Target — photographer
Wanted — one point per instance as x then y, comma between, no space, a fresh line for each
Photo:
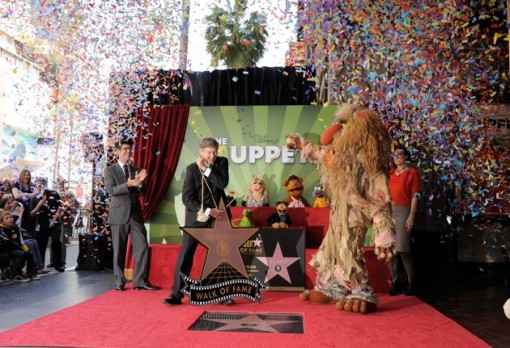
46,208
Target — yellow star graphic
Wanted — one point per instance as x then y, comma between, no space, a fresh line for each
222,242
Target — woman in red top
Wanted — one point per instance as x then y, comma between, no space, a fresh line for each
404,186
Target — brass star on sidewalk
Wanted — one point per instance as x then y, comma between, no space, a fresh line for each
252,321
222,242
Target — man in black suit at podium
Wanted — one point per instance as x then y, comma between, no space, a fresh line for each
203,187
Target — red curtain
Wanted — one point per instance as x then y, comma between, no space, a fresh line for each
159,139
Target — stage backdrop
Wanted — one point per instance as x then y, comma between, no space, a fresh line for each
253,139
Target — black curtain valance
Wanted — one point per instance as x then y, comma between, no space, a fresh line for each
254,86
249,86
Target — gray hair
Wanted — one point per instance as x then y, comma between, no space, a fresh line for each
208,142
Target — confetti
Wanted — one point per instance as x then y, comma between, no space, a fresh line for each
102,58
429,70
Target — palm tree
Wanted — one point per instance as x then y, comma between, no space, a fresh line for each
234,37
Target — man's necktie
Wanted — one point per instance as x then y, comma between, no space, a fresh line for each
126,171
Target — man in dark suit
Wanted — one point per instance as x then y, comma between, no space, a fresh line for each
206,178
124,184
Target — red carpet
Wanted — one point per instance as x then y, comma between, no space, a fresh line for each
139,319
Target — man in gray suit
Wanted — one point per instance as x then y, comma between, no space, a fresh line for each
124,183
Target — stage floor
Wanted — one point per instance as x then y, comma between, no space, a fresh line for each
470,294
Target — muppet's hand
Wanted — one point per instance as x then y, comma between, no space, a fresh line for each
217,214
295,141
384,236
385,253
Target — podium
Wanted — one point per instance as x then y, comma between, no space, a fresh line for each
314,221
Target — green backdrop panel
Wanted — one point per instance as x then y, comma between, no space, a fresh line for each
253,139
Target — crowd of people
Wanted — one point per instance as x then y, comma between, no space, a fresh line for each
31,214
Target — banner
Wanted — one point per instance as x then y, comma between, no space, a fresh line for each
253,138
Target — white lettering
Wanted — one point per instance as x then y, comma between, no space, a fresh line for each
234,157
287,156
272,153
256,152
250,154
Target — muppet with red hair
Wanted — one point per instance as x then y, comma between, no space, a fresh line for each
354,162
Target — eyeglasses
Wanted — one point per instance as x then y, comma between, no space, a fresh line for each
282,211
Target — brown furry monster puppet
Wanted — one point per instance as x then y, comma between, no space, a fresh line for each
294,187
354,164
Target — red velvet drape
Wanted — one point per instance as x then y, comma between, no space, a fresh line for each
159,140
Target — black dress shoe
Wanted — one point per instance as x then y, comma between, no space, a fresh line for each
145,287
60,269
172,300
228,302
120,287
395,289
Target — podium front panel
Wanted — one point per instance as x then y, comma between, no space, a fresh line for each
276,256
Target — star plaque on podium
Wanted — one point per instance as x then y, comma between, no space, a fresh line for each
223,274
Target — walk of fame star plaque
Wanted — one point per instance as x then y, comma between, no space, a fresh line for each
249,322
224,274
277,257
